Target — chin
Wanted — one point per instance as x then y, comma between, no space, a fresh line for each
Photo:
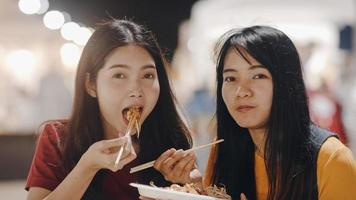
245,124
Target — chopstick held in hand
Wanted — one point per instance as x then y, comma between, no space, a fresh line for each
150,164
127,134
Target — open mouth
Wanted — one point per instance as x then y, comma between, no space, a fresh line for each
131,116
132,113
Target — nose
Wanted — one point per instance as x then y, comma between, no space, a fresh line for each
135,90
237,90
243,91
136,93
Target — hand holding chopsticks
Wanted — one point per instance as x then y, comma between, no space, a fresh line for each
133,120
150,164
127,134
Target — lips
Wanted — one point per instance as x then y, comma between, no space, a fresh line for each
245,108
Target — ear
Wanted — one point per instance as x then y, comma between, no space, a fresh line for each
89,86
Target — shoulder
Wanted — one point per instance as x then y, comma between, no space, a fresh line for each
52,131
47,169
49,149
333,148
50,128
335,158
334,151
336,171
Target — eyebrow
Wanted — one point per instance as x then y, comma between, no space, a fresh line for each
252,67
149,66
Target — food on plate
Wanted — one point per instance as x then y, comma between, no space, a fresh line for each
212,191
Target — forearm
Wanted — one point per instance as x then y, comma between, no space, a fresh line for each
74,185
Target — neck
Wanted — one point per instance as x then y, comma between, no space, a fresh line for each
259,139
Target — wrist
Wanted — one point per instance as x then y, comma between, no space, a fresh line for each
85,168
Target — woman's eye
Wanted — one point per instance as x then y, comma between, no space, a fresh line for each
149,76
229,79
260,76
119,76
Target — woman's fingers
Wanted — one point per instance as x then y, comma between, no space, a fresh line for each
162,158
123,161
184,166
111,144
187,170
126,158
129,157
114,167
186,178
103,154
170,162
177,167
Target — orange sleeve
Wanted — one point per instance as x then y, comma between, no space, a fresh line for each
336,171
209,172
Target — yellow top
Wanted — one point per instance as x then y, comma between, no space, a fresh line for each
336,173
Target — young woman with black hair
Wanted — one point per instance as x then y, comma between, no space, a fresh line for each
272,150
121,67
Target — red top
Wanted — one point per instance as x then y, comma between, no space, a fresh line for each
47,169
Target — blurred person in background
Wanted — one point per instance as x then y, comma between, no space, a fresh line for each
121,67
326,111
272,149
52,81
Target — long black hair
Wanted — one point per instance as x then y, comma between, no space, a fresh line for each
286,148
162,129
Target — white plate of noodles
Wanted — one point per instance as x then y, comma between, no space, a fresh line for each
168,194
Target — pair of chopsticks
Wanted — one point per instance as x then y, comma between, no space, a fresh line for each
133,120
150,164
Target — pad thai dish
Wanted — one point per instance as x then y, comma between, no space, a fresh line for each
212,191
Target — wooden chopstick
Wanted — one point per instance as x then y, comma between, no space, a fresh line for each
150,164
